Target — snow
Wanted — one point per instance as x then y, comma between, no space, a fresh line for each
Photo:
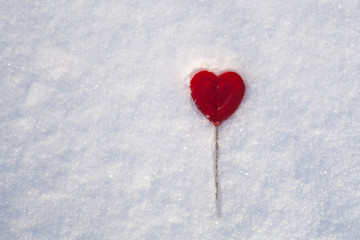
100,138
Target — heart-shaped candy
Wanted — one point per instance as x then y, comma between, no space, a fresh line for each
217,97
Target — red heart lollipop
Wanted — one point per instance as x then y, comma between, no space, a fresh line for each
217,97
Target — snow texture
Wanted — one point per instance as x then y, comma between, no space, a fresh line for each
100,138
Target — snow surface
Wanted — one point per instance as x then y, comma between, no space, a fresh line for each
100,138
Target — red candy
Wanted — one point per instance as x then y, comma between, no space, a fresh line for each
217,97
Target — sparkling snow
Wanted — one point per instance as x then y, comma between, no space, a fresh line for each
100,138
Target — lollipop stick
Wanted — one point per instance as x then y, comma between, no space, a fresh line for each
217,202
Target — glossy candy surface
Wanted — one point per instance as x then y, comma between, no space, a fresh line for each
217,97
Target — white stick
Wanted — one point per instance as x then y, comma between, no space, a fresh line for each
217,201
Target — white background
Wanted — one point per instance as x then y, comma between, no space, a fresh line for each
100,139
